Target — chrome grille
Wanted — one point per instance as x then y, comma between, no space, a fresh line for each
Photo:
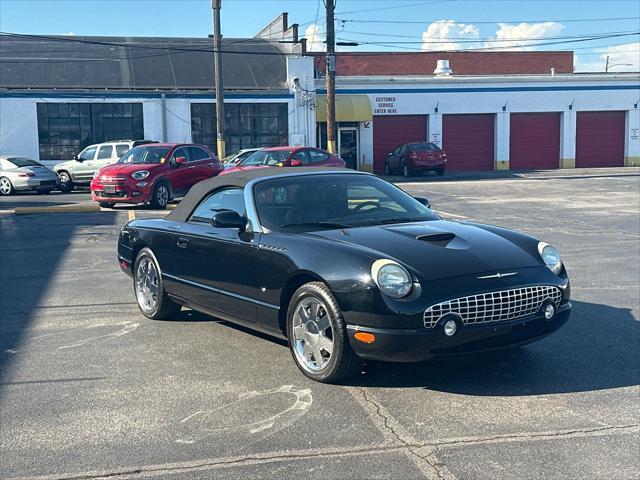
494,306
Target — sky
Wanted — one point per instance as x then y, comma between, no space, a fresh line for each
377,25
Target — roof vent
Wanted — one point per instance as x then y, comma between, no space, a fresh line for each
443,69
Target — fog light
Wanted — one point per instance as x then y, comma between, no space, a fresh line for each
142,184
137,194
450,328
549,311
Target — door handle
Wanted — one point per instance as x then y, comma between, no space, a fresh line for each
182,242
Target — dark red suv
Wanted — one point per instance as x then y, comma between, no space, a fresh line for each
154,174
412,158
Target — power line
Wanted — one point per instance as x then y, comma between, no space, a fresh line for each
492,22
395,7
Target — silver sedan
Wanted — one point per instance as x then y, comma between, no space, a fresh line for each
21,173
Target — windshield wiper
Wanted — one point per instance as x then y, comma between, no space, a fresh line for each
383,221
316,224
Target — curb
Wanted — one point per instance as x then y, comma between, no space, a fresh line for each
57,209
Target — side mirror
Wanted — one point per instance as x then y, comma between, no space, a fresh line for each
296,163
181,160
229,219
423,201
389,154
75,157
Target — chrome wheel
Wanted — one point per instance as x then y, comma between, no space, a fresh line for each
162,196
312,335
5,186
147,286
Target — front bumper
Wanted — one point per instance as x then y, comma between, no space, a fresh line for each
120,193
415,345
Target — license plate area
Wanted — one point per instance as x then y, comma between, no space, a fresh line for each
109,189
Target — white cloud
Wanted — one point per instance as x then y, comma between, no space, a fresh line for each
69,34
623,58
442,35
521,35
315,38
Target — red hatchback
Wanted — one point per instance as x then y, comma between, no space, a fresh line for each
154,174
412,158
289,157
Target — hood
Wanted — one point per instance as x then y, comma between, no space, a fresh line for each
439,249
127,168
64,165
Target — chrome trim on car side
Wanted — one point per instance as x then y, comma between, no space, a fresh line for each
220,291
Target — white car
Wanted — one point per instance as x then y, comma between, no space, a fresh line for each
232,160
21,173
80,170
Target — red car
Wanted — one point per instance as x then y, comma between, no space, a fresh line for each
289,157
154,174
414,158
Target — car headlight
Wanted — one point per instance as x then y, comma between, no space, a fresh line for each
140,174
550,257
391,278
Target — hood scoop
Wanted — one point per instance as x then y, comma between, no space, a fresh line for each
438,239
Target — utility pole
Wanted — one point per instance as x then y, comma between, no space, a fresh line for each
217,62
331,77
606,65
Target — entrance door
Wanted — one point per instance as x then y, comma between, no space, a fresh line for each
348,146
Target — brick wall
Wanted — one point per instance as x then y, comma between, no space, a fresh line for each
462,63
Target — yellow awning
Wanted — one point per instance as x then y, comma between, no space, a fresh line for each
349,108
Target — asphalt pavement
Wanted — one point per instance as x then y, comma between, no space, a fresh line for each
89,388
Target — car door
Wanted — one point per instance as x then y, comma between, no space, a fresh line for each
202,164
103,158
218,266
179,175
82,170
301,156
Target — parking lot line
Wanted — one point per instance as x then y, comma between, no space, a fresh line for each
58,209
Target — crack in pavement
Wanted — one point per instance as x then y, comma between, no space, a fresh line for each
424,450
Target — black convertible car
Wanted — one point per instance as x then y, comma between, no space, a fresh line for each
345,266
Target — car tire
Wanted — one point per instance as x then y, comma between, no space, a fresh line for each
329,332
152,300
406,172
106,204
66,184
6,187
161,196
387,168
439,171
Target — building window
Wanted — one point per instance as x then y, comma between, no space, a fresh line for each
64,129
248,125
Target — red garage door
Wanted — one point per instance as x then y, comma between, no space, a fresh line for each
468,141
600,139
389,131
534,140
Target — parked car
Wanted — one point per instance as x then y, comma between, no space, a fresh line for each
154,174
414,158
289,157
21,173
80,170
346,266
232,160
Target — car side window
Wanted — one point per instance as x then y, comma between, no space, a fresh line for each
105,152
302,155
317,156
197,153
403,150
181,152
121,149
220,201
87,153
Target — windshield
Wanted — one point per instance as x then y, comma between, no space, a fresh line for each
423,147
266,157
313,202
23,162
145,154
